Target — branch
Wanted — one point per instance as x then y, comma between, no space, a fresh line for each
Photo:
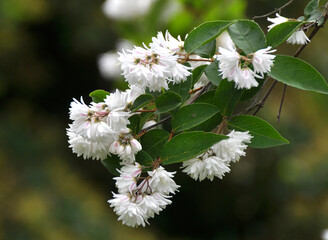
274,11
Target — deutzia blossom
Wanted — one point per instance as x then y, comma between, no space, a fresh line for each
245,78
162,181
298,37
127,181
229,62
89,135
129,209
94,149
206,166
234,67
154,203
262,60
233,148
125,147
156,66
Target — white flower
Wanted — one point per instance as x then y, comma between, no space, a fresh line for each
276,21
167,42
233,148
262,61
154,67
127,181
245,78
89,134
298,37
147,68
94,149
206,166
125,147
129,209
132,169
229,62
154,203
162,181
126,9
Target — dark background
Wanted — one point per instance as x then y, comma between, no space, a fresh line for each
48,55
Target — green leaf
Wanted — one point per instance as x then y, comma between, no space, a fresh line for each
188,145
316,16
142,101
134,123
167,102
143,158
247,35
209,124
264,135
112,163
192,115
153,141
197,73
311,7
203,34
98,95
207,97
207,50
212,73
182,88
282,32
298,73
226,97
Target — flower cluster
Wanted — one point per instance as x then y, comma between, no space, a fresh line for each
238,68
101,128
140,198
298,37
215,162
155,66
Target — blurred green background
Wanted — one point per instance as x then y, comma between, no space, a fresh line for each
48,55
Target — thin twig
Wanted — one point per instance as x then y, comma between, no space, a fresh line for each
282,102
274,11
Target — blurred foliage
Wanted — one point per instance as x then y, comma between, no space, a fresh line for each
48,55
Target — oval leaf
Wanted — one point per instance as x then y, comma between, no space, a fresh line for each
226,97
207,50
203,34
311,7
167,102
264,135
298,73
142,101
98,95
182,88
143,158
188,145
112,163
192,115
153,141
212,73
247,35
197,73
280,33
